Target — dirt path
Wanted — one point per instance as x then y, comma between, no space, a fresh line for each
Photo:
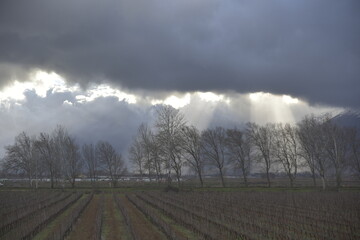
114,226
86,224
141,225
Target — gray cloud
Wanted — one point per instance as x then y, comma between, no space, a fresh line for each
107,118
104,119
309,49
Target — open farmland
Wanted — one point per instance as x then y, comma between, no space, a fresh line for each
184,215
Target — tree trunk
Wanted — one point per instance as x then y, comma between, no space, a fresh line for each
314,178
201,180
222,177
30,182
323,182
52,182
338,180
245,181
268,177
245,178
178,180
169,178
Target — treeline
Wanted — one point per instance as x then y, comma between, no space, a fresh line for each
170,146
315,144
60,158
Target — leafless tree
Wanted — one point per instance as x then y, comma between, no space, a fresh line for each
146,141
355,151
157,155
112,162
45,147
59,137
90,160
136,156
214,149
73,163
239,150
308,146
337,147
313,137
192,150
287,149
169,125
21,157
262,138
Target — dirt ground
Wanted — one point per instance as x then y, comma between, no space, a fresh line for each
86,224
114,226
141,225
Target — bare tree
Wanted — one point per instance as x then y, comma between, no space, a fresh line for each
73,163
157,159
111,160
262,138
313,138
287,149
91,161
355,151
337,147
136,156
21,157
59,137
214,148
169,124
145,152
45,147
192,150
146,141
308,147
239,150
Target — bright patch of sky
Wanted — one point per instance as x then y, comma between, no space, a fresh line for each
104,90
258,107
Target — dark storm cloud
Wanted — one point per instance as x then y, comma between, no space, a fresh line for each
309,49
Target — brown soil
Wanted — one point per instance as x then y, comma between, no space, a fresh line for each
114,226
86,224
141,225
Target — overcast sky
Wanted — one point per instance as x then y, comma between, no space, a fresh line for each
99,67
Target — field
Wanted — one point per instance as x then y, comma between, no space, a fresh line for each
192,214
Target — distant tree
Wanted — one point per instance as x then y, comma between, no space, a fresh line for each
21,157
45,148
146,140
313,135
192,150
169,125
355,151
157,156
239,150
90,160
73,163
111,161
59,137
308,145
338,147
214,149
286,149
136,156
262,138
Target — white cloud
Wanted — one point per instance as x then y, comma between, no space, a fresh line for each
103,112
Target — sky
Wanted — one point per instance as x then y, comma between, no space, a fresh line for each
99,68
